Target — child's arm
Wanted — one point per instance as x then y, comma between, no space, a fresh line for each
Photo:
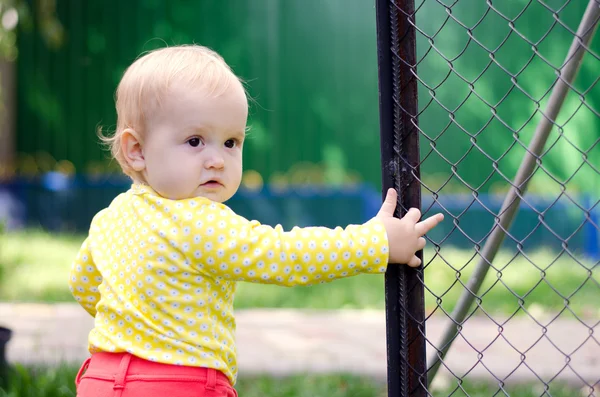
232,247
302,256
84,279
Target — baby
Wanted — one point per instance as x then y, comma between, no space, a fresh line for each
159,268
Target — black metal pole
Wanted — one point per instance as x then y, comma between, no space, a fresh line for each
5,335
404,289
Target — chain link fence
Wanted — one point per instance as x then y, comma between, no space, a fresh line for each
508,105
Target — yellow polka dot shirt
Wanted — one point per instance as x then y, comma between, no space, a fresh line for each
159,275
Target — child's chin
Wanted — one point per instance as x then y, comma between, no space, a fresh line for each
212,196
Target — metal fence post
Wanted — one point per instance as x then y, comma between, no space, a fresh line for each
404,291
5,335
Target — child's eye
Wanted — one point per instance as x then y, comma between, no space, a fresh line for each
230,143
194,142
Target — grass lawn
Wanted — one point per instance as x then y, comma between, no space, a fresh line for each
34,266
58,382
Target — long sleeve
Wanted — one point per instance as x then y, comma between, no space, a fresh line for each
84,279
224,244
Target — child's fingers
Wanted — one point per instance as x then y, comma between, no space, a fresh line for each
413,215
414,262
424,226
389,205
421,242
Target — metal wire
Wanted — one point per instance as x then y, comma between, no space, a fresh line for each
566,76
549,108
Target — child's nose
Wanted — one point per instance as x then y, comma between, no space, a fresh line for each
214,160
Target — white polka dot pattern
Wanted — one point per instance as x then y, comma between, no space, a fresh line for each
159,275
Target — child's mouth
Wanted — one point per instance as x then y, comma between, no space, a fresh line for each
211,184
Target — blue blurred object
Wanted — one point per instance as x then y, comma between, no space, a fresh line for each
58,202
56,181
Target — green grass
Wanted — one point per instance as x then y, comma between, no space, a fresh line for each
36,264
59,382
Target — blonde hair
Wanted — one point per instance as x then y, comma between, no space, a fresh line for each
146,81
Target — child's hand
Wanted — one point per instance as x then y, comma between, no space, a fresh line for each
405,236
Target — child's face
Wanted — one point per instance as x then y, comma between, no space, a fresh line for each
193,144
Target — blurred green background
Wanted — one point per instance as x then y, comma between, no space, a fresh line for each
485,75
311,66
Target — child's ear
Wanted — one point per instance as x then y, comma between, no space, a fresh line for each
131,147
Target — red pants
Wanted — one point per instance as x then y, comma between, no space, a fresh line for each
124,375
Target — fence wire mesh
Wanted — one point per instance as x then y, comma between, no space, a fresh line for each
508,123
